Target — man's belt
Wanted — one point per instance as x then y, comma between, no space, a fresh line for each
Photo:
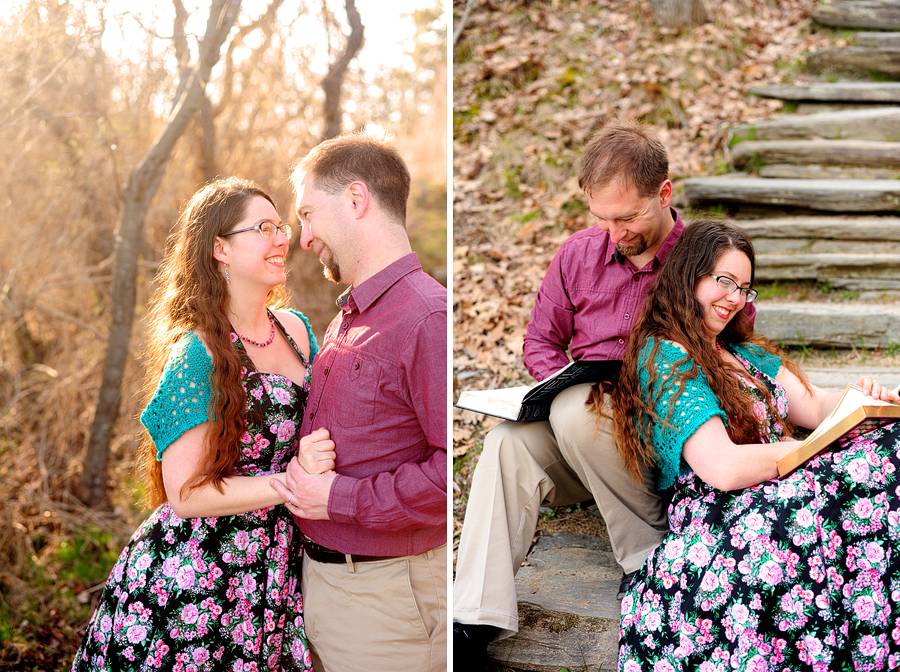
320,553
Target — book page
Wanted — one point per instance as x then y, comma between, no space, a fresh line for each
852,410
502,403
851,399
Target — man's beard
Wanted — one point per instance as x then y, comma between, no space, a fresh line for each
633,249
331,270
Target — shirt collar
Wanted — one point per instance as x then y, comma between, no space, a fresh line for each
369,291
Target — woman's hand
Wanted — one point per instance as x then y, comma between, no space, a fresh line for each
874,389
316,453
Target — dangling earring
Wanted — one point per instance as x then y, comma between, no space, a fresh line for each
227,277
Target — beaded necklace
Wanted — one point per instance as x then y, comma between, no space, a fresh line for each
261,345
718,346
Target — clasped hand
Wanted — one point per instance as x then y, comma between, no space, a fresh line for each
309,476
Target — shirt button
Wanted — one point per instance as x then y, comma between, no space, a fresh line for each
344,326
312,416
356,366
636,278
621,341
326,372
627,316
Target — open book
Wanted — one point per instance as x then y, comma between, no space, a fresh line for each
525,404
854,412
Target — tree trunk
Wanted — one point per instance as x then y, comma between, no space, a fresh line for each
139,191
209,163
331,83
679,13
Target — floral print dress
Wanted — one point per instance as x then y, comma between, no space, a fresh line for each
218,593
801,573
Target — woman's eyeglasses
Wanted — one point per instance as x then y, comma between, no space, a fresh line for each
266,230
728,285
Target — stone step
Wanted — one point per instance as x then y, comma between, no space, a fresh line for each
794,246
861,61
813,107
880,124
824,152
830,325
793,171
864,39
820,159
824,228
834,379
568,611
874,270
835,195
838,92
872,14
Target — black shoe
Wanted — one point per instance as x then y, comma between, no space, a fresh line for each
470,646
623,585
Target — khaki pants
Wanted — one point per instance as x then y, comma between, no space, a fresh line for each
378,616
526,465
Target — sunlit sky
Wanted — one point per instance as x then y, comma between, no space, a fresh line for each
386,26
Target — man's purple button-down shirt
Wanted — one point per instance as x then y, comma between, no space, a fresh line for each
588,302
379,385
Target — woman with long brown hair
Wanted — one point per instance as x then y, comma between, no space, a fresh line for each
210,581
756,572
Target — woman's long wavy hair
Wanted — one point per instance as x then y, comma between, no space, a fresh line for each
673,313
193,295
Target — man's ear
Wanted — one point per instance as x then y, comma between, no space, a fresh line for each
359,198
221,250
665,193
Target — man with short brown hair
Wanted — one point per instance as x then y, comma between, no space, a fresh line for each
375,527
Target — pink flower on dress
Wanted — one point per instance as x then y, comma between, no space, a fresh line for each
699,555
771,572
170,566
286,430
190,613
755,521
710,581
185,577
804,518
864,607
874,552
863,507
674,548
137,634
868,645
858,470
241,539
282,396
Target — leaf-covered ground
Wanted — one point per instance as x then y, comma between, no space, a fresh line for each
532,81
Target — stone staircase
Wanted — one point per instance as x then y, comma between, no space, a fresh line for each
820,196
819,189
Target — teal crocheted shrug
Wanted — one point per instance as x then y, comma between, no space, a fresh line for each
694,406
181,400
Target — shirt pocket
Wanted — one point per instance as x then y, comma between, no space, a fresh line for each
357,408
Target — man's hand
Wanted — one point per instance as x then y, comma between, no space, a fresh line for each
305,495
316,453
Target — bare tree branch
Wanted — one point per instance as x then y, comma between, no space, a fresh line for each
331,83
462,21
139,191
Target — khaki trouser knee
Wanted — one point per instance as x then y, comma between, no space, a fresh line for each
524,466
